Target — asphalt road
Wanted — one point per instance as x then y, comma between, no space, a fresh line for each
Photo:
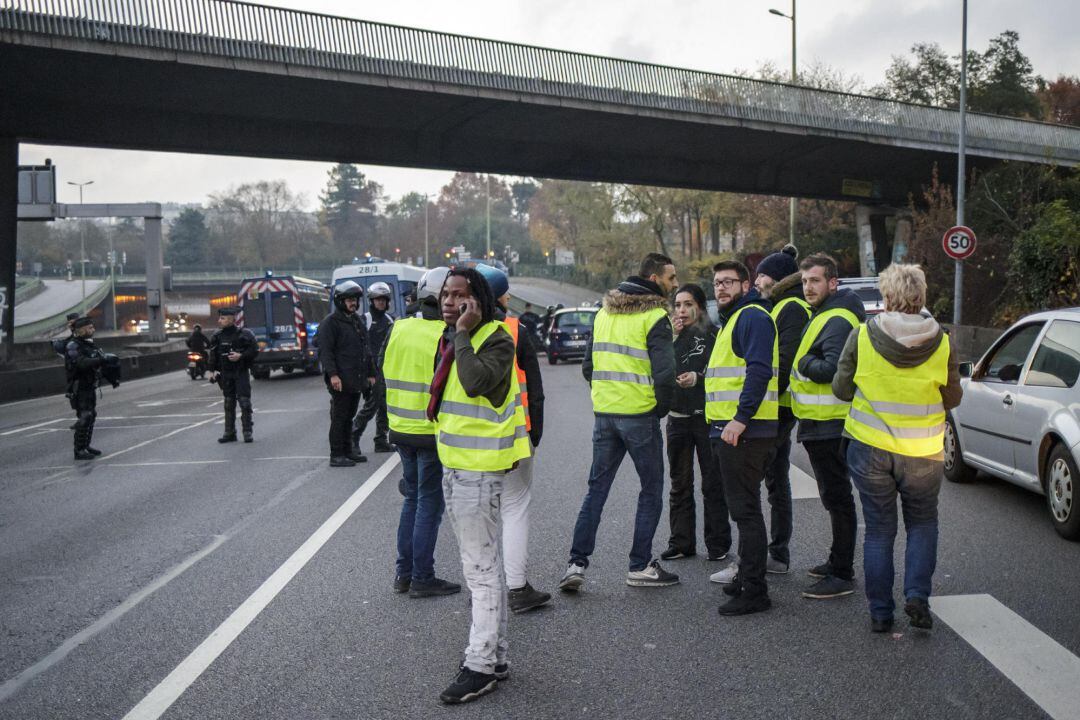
118,573
58,296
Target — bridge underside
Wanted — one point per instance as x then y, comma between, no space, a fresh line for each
168,103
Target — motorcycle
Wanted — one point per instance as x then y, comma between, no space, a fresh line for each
196,366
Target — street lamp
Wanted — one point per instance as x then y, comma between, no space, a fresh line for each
82,236
427,203
794,78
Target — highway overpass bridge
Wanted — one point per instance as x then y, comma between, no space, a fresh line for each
212,76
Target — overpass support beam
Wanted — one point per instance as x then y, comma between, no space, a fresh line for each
9,228
876,250
155,279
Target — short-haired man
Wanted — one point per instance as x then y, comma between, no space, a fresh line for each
742,406
230,353
779,280
630,366
821,415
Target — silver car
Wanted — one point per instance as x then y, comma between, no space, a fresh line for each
1020,416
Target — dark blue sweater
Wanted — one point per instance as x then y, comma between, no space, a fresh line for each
752,340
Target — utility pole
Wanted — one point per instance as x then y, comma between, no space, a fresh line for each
793,208
487,254
961,172
82,235
426,203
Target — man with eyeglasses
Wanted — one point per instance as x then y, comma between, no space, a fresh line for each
742,407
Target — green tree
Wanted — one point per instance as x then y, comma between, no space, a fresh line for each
188,239
1044,265
349,209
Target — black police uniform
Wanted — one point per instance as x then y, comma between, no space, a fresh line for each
344,351
234,378
378,327
84,361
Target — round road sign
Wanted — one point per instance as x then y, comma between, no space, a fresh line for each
959,242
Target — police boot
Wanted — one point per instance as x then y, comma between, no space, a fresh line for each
89,436
230,421
245,419
81,441
382,446
356,441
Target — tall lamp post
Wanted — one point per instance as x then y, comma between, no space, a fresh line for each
793,209
427,203
82,236
958,280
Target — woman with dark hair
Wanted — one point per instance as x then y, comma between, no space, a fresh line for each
688,433
480,436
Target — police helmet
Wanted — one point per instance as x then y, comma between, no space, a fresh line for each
345,290
431,283
379,289
496,279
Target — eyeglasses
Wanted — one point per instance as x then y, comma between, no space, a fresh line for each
726,283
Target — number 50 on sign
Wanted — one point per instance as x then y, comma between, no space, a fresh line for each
959,242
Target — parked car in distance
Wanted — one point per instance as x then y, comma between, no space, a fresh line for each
569,333
1020,416
867,289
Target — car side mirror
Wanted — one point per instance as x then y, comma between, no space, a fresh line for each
967,369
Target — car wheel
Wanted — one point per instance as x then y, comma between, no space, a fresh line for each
1061,492
288,370
552,360
956,470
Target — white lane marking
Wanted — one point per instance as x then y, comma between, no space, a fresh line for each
30,427
46,431
295,457
175,401
13,685
170,462
137,426
803,485
173,686
153,417
1044,670
216,402
101,461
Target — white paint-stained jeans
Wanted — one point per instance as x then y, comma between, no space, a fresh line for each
472,502
516,495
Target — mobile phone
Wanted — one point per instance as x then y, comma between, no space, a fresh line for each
463,309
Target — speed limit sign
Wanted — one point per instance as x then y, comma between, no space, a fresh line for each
959,242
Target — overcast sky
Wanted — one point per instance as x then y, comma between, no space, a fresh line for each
856,36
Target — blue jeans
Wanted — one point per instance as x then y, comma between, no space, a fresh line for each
421,512
614,437
879,477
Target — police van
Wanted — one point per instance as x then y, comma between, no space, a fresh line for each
401,278
283,313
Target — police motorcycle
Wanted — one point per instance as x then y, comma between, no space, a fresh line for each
196,365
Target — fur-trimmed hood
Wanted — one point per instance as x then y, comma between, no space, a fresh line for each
791,286
634,295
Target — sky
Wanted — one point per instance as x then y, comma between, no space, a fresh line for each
858,37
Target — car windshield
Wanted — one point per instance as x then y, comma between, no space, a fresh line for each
571,320
867,293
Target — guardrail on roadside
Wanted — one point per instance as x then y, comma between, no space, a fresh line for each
54,323
28,289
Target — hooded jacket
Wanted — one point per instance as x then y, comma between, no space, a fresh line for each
820,362
752,340
636,295
790,324
344,351
904,340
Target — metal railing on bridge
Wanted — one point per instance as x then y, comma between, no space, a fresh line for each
245,31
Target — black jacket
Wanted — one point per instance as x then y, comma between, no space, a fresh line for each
752,340
636,295
529,362
344,351
821,360
197,341
378,326
83,362
226,340
693,346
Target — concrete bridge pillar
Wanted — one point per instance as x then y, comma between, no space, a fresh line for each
9,227
155,280
876,249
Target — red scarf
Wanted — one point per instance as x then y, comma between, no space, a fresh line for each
442,374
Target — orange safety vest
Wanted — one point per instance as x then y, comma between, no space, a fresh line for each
513,325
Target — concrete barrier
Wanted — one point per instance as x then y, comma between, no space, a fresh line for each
971,341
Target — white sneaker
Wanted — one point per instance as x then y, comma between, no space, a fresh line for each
727,575
573,579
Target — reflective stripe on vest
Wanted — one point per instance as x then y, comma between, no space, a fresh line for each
811,400
514,326
785,397
899,409
472,433
622,382
726,373
408,368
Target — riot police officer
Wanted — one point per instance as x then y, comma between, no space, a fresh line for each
347,369
85,363
377,322
231,351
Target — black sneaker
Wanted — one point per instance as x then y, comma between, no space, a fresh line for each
502,671
402,583
357,457
676,554
652,576
84,455
342,461
734,588
227,437
717,556
881,625
525,598
918,612
745,605
829,587
93,451
820,571
381,446
468,686
247,436
432,588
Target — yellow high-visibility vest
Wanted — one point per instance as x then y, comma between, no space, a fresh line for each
408,367
472,433
811,400
785,397
899,409
622,382
726,373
